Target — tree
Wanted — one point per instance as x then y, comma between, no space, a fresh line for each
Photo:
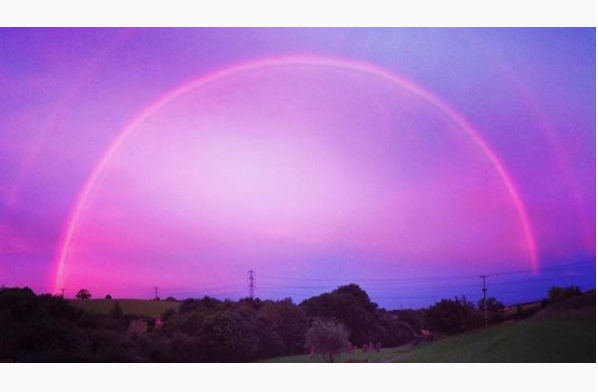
206,303
270,342
495,309
452,316
108,296
291,322
556,294
351,306
83,294
327,338
572,291
228,336
391,332
415,318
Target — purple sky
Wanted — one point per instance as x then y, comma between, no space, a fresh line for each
410,161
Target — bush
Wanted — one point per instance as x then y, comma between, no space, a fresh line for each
137,328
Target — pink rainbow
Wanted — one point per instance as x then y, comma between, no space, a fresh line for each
63,246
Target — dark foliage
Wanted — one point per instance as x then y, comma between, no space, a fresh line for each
414,318
83,294
270,343
116,312
452,316
45,328
291,322
557,294
228,336
351,306
495,309
327,338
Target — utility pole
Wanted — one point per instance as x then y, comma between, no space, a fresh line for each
251,283
156,293
484,290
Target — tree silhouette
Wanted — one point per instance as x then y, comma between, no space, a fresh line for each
83,294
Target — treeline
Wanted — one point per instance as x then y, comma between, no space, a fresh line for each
45,328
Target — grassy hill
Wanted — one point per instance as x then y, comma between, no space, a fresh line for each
546,340
140,307
541,340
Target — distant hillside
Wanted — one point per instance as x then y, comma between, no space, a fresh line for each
579,307
140,307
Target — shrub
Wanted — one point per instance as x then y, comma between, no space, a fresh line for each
137,328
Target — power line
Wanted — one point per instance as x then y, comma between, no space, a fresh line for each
503,283
507,284
374,286
361,280
429,277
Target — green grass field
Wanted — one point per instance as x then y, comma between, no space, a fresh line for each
541,340
140,307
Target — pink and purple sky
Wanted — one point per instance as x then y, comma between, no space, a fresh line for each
409,161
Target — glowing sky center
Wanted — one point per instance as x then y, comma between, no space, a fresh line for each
286,164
